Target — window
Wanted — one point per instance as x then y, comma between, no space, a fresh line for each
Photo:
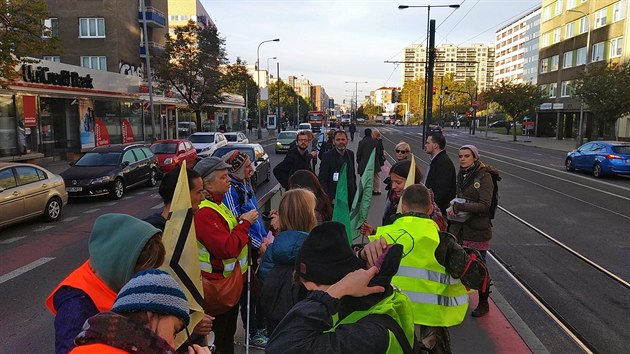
7,179
545,39
567,89
55,58
556,36
92,28
558,8
615,47
554,62
546,13
27,175
553,87
129,157
598,52
544,65
567,60
51,27
571,4
600,17
583,25
569,29
619,10
580,57
98,63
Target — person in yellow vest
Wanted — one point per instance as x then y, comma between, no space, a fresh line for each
223,242
435,272
349,309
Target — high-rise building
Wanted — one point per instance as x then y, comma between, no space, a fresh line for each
512,48
182,11
575,34
319,98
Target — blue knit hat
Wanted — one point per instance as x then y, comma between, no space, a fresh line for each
153,290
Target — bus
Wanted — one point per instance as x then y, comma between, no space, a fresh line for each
317,120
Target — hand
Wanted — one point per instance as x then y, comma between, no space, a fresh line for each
204,326
250,216
197,349
367,229
451,211
275,220
355,284
314,154
373,250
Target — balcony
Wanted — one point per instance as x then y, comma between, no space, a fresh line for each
153,47
155,18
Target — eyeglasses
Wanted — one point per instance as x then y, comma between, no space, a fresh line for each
402,151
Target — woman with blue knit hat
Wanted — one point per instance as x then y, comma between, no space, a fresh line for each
147,314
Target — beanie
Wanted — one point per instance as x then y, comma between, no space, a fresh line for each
472,148
115,244
238,160
325,256
153,290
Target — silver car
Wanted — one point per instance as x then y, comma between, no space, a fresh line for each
28,191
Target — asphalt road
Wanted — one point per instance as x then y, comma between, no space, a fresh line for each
591,216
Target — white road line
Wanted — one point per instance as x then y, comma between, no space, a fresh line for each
110,204
24,269
127,197
70,218
141,192
158,206
44,228
11,240
91,211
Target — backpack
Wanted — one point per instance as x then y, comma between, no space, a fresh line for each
495,193
279,293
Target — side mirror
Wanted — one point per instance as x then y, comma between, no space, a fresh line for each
72,163
1,189
181,151
125,163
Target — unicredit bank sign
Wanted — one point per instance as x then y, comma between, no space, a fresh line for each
43,75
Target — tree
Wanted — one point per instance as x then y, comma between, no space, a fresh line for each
605,88
190,65
237,80
288,102
516,99
23,33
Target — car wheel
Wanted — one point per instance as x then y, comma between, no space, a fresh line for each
53,209
152,181
117,190
597,170
569,164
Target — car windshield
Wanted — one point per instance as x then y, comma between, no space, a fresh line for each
99,159
164,148
621,149
304,126
231,137
201,138
224,150
287,135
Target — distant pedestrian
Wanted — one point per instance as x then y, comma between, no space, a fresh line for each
329,144
364,151
353,129
250,126
380,160
332,162
458,124
440,176
403,151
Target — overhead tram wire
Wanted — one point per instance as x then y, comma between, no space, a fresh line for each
462,19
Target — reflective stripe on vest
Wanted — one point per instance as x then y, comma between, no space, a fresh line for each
230,263
438,299
397,306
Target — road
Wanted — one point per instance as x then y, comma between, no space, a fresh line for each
588,215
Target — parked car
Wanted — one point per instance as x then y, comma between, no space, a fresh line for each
111,170
601,158
28,191
171,153
360,120
258,157
284,140
305,126
205,143
186,128
499,124
236,137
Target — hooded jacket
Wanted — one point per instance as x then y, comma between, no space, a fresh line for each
241,198
115,244
283,250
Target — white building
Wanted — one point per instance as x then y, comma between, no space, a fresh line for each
512,49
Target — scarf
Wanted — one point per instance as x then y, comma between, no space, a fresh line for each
123,333
466,176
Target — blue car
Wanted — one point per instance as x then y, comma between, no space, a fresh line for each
601,157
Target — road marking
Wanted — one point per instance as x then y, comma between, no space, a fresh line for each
24,269
44,228
11,240
155,195
141,192
110,204
91,211
127,197
70,218
158,206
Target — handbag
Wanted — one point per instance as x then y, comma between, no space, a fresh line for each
220,295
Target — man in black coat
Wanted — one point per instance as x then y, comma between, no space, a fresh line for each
353,129
366,145
330,168
298,158
440,177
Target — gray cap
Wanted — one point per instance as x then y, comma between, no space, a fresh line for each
209,164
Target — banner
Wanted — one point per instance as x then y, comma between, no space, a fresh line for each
363,198
30,111
86,124
411,177
127,132
102,135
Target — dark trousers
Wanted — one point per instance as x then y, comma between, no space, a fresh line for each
224,328
351,136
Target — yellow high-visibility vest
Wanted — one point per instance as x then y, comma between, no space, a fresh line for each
230,263
438,299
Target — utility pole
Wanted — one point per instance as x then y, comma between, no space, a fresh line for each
278,116
148,62
429,103
441,99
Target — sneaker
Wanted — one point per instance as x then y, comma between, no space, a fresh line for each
258,340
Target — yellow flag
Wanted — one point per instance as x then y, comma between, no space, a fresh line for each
181,261
411,178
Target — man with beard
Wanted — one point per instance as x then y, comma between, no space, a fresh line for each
298,158
330,169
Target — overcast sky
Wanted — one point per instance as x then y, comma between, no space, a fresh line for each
331,42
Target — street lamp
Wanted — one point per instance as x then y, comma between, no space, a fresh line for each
578,140
428,72
272,58
356,96
258,69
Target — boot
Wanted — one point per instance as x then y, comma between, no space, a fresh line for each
483,307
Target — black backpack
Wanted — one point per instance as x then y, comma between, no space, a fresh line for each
279,293
495,194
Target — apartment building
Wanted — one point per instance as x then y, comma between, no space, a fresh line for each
301,86
475,61
574,34
182,11
319,98
514,48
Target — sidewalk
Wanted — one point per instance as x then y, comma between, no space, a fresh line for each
552,143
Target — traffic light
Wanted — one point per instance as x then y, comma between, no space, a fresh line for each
446,91
434,89
468,115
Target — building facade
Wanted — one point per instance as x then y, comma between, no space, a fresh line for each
513,44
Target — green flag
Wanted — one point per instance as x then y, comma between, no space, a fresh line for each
341,212
363,197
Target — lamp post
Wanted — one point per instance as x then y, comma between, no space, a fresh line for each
258,74
272,58
356,96
578,140
428,78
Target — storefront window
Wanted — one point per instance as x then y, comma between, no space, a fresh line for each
53,124
8,132
132,116
108,112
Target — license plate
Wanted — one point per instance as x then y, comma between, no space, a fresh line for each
74,189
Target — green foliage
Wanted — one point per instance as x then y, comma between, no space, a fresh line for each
190,65
515,99
237,80
288,101
21,29
369,110
606,89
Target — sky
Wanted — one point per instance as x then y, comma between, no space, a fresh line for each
330,42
